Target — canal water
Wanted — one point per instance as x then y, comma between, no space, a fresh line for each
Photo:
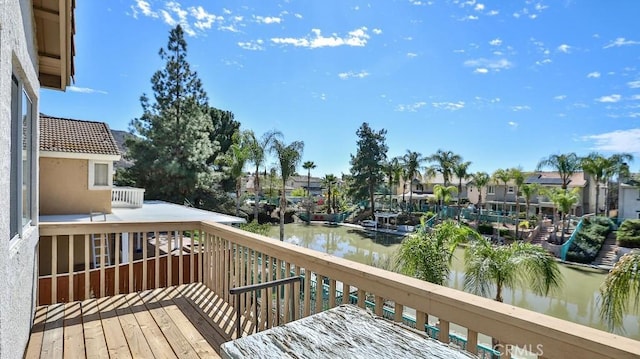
575,301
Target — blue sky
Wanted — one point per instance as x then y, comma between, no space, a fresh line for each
502,83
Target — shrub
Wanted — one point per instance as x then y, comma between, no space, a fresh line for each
255,227
485,228
589,239
524,224
504,232
629,233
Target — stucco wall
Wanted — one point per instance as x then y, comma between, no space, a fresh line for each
18,266
64,188
628,202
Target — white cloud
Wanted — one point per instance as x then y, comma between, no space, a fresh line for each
351,74
635,97
479,7
481,70
496,64
226,11
377,31
493,12
564,48
267,19
204,19
634,84
560,97
616,141
621,41
411,107
495,42
512,124
252,45
609,99
357,37
145,8
543,62
411,54
85,90
471,17
451,106
520,108
593,75
299,16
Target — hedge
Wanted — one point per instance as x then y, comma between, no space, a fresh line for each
629,233
589,239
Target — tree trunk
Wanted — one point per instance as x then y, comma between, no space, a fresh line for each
597,196
371,199
308,197
256,188
283,208
238,197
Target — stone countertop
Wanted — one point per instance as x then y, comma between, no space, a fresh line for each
345,331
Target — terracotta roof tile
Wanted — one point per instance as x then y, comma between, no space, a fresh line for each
76,136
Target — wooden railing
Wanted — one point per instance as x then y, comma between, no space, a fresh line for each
127,197
228,257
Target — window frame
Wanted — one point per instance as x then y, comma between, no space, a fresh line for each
510,189
92,174
491,189
23,160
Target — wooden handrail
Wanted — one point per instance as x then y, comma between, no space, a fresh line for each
255,288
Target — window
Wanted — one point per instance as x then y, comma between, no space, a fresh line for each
22,159
491,190
100,174
510,189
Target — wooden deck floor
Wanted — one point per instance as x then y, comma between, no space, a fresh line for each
187,321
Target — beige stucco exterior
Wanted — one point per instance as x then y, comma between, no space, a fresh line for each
64,188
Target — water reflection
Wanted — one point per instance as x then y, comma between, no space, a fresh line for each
576,300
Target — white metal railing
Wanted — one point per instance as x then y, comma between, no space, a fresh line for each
127,197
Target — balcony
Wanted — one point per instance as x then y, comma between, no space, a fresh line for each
127,197
185,270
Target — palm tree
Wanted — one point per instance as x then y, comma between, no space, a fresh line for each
445,160
393,170
518,178
480,180
528,191
411,161
565,164
235,160
602,169
427,254
516,265
460,170
622,284
620,168
289,157
405,177
564,200
502,175
328,181
308,165
443,194
258,151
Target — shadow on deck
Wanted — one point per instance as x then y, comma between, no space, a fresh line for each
187,321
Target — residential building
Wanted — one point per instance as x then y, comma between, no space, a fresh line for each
37,51
629,200
423,189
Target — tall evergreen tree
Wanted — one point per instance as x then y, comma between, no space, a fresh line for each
367,164
171,145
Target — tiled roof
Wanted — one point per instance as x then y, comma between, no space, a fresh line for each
76,136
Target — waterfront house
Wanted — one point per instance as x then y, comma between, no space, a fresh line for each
629,200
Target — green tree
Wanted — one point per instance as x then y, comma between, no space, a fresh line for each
393,170
519,264
621,287
528,191
328,181
258,148
366,165
443,194
565,164
601,169
460,170
564,200
411,162
427,254
308,165
224,126
170,143
444,162
289,157
518,177
480,180
235,160
504,176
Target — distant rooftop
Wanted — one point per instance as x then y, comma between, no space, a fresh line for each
156,211
76,136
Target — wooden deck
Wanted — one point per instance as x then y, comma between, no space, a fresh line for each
187,321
